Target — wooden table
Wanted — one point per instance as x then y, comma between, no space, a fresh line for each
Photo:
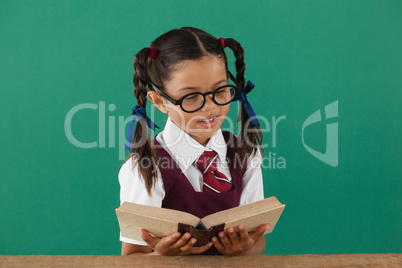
309,260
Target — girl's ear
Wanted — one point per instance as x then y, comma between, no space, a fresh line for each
157,100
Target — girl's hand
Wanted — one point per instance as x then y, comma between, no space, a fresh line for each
238,243
174,244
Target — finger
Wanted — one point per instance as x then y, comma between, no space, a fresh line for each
243,233
233,235
149,239
184,239
218,245
199,250
189,245
259,232
224,240
171,239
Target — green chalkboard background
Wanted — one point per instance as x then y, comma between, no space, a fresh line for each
57,56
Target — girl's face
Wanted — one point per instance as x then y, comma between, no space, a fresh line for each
202,75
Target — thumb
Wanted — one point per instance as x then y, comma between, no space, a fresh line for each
149,239
259,232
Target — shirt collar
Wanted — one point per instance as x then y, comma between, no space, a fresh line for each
186,150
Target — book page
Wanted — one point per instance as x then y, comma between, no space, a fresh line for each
251,215
159,222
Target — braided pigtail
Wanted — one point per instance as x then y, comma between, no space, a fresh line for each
142,152
156,64
250,136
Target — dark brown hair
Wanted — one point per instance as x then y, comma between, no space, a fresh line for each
174,47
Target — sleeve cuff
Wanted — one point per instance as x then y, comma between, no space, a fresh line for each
132,241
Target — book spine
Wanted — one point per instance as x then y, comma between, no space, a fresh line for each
202,236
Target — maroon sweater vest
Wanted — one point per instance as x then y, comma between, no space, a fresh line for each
180,194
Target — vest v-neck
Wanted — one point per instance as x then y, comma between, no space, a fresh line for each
161,152
180,194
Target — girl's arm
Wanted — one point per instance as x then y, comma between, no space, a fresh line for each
132,189
259,247
131,249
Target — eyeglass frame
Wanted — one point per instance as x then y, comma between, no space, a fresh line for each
179,101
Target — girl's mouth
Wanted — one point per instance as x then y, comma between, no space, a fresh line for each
209,123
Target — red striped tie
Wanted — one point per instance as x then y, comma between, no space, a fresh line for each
214,181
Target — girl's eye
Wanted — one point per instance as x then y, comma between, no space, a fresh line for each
190,98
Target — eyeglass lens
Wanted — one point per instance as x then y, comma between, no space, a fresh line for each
195,101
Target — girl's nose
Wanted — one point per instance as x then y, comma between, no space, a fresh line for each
209,103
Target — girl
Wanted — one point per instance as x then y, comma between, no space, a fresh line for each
192,165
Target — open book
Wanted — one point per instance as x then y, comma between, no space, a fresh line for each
162,222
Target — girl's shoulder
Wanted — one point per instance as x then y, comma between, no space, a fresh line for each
132,184
133,188
129,171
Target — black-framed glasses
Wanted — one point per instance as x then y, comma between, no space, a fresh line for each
194,101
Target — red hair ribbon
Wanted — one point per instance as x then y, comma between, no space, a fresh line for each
222,40
153,52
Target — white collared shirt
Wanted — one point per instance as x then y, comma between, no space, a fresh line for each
185,151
